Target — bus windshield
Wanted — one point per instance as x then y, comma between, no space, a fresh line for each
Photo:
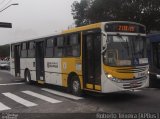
125,50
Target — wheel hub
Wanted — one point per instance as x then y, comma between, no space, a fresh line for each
75,86
27,78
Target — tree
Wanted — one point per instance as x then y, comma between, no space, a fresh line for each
146,12
79,12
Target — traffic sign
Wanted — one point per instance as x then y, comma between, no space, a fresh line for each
5,25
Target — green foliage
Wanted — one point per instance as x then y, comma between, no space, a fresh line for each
4,51
146,12
80,10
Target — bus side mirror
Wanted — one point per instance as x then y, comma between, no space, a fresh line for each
104,49
104,37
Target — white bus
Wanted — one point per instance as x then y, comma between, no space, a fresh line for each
103,57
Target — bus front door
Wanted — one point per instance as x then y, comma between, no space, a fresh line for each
40,61
17,60
92,61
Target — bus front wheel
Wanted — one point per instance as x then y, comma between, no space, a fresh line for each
76,86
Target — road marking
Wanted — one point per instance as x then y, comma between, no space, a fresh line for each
3,107
42,97
19,100
10,84
62,94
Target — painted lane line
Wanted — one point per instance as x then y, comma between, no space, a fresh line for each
42,97
19,100
62,94
3,107
10,84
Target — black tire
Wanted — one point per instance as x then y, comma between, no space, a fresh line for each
28,77
152,81
76,86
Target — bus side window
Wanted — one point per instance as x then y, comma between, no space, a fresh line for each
49,47
71,47
31,49
67,49
58,49
75,44
60,41
24,50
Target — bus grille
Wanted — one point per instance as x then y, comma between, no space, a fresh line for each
134,84
131,70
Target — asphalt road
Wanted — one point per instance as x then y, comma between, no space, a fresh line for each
22,101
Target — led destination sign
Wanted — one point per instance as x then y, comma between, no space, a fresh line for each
124,27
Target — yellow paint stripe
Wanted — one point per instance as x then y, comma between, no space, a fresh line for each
90,86
92,26
40,82
113,71
98,87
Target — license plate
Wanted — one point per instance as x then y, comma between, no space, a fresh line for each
141,74
133,84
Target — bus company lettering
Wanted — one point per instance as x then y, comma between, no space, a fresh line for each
52,64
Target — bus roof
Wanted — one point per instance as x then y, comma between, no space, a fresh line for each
77,29
82,28
96,25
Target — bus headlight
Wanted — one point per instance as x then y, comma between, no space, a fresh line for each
110,77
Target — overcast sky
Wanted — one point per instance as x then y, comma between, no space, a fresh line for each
34,18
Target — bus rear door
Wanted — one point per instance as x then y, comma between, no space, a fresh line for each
17,60
40,61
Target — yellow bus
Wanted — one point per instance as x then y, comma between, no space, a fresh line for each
102,57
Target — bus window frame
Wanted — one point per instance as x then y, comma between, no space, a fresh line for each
33,49
24,50
65,45
49,47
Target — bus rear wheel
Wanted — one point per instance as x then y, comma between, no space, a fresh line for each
76,86
28,77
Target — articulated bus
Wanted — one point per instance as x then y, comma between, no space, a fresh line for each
154,59
102,57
